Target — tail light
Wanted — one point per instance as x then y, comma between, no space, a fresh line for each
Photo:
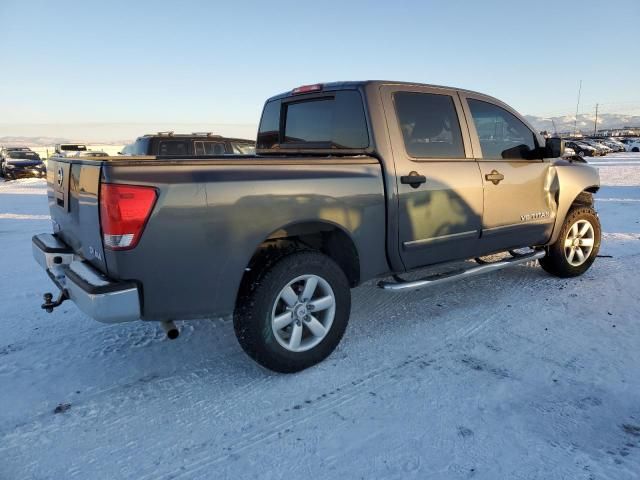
124,211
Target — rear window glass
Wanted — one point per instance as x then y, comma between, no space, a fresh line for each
172,148
333,121
429,125
310,121
73,148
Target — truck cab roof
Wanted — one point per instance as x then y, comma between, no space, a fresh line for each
357,84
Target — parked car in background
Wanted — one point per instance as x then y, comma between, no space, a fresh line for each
614,144
633,145
68,149
189,145
582,149
21,162
601,148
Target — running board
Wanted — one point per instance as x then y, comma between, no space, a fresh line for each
459,275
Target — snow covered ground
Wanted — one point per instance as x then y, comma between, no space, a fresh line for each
514,375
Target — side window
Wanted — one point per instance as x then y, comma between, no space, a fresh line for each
208,148
214,148
243,148
502,135
429,125
172,147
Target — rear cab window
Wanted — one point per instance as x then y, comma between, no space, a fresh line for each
333,120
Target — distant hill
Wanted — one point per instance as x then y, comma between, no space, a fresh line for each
49,141
562,124
585,122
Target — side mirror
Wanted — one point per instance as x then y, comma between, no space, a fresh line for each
554,148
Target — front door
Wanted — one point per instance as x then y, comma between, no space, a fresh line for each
519,200
437,179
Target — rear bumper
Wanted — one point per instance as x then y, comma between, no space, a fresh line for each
94,293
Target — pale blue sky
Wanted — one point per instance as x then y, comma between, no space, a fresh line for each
205,62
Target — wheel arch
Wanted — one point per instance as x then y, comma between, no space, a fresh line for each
568,200
324,236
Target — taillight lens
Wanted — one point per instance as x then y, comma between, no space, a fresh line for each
124,211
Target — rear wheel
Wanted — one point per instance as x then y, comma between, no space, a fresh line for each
577,246
294,313
635,149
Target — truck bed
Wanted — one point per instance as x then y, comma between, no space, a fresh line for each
211,215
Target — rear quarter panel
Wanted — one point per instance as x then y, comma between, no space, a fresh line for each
211,217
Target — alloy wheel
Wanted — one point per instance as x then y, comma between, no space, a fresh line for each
579,242
303,313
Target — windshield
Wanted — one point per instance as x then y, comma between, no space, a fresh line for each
23,155
139,147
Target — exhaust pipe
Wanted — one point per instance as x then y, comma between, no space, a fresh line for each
170,329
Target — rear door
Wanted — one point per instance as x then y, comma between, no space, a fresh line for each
519,203
438,181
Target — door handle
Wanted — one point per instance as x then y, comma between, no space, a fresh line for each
495,177
413,179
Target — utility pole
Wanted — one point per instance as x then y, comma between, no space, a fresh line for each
555,130
575,123
595,123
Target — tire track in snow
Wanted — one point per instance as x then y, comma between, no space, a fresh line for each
272,427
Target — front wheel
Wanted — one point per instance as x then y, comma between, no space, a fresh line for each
293,314
577,246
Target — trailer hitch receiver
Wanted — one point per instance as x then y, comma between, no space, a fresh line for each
49,305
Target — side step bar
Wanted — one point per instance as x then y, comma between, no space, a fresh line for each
459,275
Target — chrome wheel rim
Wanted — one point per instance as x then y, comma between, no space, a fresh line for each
303,313
579,243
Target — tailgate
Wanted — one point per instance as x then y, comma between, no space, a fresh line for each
72,190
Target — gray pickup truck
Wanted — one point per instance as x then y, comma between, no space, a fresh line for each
351,181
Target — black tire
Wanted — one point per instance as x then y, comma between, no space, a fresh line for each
635,149
556,261
253,313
